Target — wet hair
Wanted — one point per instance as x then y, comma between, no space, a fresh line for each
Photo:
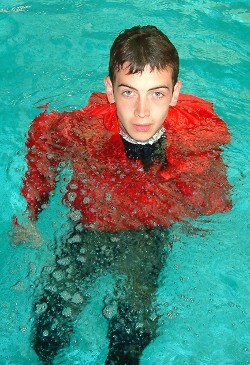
141,46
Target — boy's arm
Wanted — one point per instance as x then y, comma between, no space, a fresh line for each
42,158
196,169
204,185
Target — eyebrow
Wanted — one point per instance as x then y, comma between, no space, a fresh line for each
153,88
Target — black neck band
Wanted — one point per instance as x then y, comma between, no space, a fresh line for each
147,153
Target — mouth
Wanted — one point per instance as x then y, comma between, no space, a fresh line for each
142,127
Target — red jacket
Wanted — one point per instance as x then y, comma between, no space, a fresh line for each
113,192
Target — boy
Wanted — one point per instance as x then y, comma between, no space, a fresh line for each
142,156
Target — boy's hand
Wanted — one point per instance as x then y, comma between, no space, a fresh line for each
25,233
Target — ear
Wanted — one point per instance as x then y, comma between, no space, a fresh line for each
109,89
176,92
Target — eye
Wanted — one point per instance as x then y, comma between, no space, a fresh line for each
158,94
127,93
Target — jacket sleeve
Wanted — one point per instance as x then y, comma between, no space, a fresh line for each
43,157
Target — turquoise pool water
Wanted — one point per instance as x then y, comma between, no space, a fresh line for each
57,52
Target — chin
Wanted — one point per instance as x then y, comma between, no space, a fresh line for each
142,137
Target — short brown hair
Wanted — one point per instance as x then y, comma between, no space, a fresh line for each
141,46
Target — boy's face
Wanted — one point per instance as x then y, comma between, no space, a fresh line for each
142,100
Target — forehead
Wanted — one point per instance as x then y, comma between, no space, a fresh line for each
148,77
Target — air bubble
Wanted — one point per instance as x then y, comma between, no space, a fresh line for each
86,200
23,329
41,308
114,239
74,215
65,295
65,261
67,312
45,333
138,325
58,275
109,311
71,196
75,239
77,298
81,259
73,186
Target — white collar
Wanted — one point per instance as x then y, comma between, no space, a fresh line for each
150,141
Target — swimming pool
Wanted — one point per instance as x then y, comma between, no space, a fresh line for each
58,53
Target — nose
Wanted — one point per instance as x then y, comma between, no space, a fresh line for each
142,108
